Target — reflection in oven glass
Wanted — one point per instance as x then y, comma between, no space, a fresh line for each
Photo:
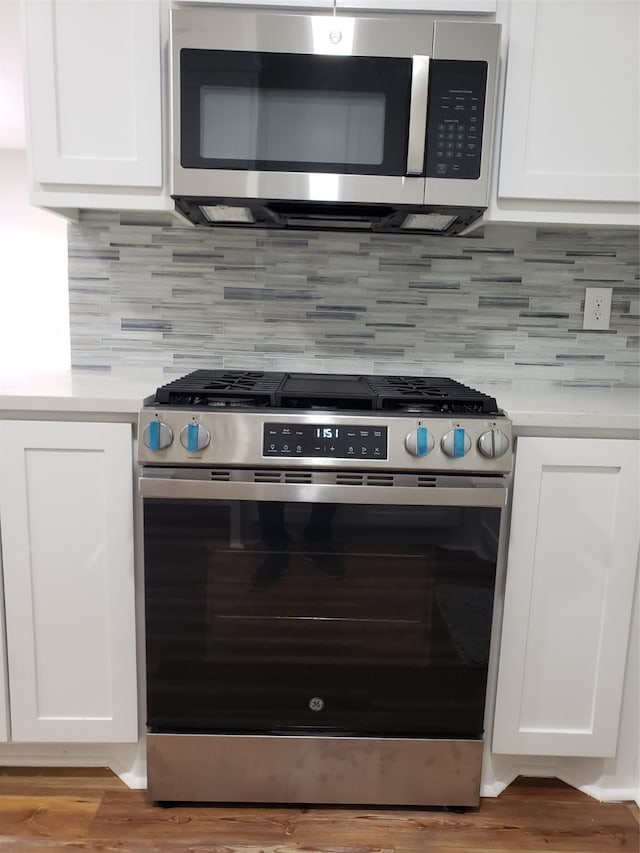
338,618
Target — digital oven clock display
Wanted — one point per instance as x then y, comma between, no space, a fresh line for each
287,441
328,432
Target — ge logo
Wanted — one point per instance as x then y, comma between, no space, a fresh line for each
335,36
316,704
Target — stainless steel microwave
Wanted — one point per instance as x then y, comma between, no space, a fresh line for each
332,122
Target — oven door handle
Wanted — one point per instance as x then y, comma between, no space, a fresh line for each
480,494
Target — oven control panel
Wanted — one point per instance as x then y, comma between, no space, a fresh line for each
326,440
331,441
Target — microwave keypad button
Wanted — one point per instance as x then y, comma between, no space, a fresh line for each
455,111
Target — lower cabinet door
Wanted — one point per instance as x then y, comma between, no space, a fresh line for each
572,561
66,514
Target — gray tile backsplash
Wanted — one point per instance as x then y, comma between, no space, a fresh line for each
504,305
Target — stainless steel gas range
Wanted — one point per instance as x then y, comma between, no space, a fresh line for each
320,563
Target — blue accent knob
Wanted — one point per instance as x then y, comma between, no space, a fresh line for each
192,438
421,441
458,442
154,435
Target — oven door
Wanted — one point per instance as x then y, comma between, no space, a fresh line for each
335,602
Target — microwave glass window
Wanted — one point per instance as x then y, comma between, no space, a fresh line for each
299,113
292,125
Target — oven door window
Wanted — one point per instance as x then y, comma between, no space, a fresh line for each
349,619
294,113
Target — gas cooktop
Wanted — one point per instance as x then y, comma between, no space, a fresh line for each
235,389
254,419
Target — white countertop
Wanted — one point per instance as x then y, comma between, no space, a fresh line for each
537,407
79,391
534,407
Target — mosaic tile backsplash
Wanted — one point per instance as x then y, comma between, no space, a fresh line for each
145,292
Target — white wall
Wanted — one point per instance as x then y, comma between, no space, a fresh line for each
34,302
12,129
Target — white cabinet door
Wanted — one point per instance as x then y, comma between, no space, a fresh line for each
572,560
572,99
443,6
93,86
469,6
310,5
67,547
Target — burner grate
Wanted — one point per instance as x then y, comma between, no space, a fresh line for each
429,395
251,389
220,388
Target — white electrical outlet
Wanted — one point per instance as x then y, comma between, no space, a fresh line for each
597,308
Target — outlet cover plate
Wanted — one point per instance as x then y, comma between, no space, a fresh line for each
597,308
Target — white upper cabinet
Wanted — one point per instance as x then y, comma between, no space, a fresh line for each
573,552
311,5
93,102
571,123
463,6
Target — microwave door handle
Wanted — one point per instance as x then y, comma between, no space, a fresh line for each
418,115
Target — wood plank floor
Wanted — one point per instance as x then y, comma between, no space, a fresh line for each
45,811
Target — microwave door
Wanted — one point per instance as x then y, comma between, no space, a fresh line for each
418,115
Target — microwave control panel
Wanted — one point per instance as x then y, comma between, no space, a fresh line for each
457,91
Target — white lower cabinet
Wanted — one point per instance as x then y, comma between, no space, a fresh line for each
572,564
66,522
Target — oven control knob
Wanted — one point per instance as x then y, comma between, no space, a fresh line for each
456,443
493,443
419,442
194,437
157,435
